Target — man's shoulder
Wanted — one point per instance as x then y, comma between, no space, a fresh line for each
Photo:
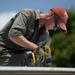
27,11
30,11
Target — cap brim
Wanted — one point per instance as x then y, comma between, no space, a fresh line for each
63,27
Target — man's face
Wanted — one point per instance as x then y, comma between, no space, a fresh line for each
52,23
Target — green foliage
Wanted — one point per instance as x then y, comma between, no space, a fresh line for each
63,45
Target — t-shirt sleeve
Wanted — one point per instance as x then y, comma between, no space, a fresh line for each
19,26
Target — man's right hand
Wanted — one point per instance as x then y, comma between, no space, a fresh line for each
40,52
44,55
47,49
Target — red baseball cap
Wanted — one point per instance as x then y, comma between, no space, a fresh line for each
62,16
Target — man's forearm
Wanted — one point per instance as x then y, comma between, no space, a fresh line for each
22,41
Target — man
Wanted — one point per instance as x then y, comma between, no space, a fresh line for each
28,31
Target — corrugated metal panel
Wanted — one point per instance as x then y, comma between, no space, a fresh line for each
36,71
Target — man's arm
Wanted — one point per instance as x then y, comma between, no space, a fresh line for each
22,41
19,29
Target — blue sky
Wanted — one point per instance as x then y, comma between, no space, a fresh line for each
8,8
43,5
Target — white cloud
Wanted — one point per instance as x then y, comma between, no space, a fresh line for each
5,17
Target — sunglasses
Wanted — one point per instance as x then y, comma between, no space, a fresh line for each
56,21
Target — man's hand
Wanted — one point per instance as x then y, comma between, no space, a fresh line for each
47,49
42,51
41,54
47,58
44,55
